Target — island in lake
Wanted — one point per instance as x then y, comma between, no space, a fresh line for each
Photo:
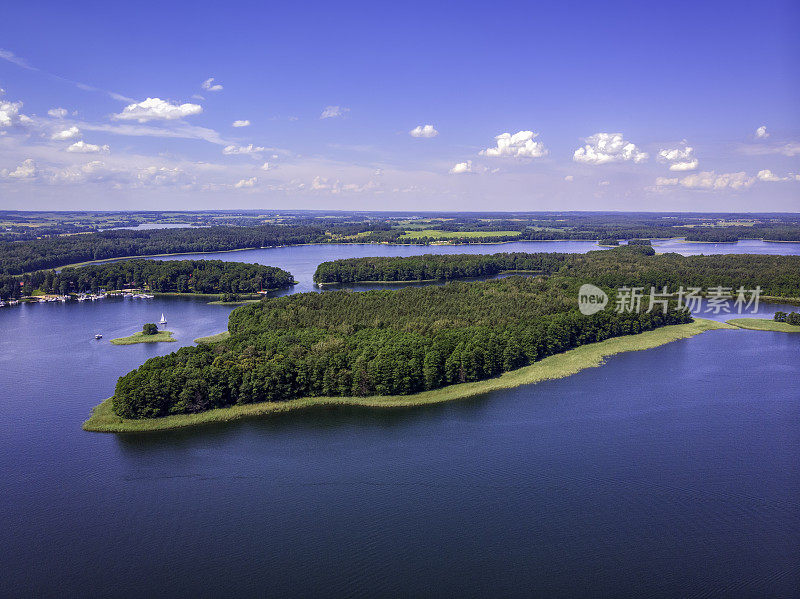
401,347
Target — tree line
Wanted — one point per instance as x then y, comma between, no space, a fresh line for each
343,343
435,267
633,264
787,317
165,276
27,254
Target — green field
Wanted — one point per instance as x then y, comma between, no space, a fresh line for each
557,366
140,337
437,234
763,324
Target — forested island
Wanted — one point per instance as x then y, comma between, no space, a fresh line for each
373,343
161,276
634,264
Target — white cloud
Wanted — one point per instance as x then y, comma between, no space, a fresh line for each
162,176
768,175
210,86
26,170
156,109
519,145
331,112
462,168
569,178
10,115
178,129
251,182
791,148
423,131
82,147
679,159
233,150
241,123
64,134
58,113
267,166
689,165
761,132
14,59
602,148
320,183
91,172
661,181
710,180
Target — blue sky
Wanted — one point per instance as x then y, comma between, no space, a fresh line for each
516,106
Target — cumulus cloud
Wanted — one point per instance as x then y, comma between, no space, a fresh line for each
241,123
91,172
267,166
81,147
519,145
156,109
251,182
768,175
679,159
331,112
423,131
242,150
602,148
761,132
710,180
57,113
210,86
462,168
10,115
64,134
569,178
26,170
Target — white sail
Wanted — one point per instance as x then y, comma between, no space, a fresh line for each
163,319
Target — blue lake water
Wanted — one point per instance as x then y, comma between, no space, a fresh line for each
669,472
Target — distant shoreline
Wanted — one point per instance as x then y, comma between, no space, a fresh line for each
553,367
272,247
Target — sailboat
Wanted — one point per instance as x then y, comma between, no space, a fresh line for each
163,319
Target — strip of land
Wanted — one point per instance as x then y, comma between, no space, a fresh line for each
212,338
140,337
763,324
557,366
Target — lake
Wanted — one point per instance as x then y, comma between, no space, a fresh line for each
666,472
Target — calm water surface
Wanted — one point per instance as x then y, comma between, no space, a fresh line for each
670,472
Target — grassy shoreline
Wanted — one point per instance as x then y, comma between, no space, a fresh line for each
764,324
212,338
140,337
553,367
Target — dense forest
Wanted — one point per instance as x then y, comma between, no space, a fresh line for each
37,241
636,264
166,276
343,343
435,267
52,252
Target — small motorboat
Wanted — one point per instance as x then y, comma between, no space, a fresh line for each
98,336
